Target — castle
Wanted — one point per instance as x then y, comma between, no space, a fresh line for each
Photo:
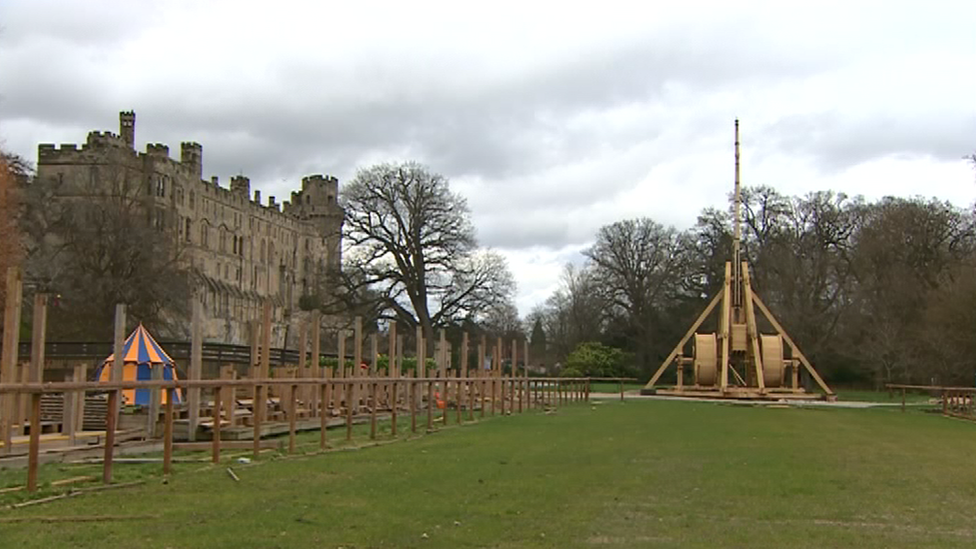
241,250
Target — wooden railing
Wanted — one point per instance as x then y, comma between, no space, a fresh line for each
410,394
956,401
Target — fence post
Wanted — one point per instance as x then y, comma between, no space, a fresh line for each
35,441
217,397
168,434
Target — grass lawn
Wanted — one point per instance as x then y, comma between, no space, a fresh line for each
613,387
615,474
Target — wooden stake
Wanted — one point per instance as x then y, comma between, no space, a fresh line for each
372,408
430,405
413,404
324,416
393,399
38,336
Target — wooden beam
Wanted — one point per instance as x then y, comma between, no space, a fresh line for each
196,369
684,340
391,364
217,399
34,447
118,363
156,373
8,358
796,350
38,337
724,328
168,434
110,423
752,329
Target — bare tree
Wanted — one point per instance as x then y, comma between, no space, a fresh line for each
14,172
410,238
640,266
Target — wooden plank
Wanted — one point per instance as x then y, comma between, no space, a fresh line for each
265,372
413,404
317,369
324,415
395,406
430,405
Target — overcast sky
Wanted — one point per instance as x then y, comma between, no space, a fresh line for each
551,118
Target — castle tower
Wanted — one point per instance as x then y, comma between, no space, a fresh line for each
127,128
191,156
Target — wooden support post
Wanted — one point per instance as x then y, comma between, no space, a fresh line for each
8,358
470,389
516,380
374,354
357,358
217,400
110,423
168,434
459,398
393,363
69,420
482,389
430,405
725,328
587,389
372,407
399,360
257,415
413,405
308,393
118,363
155,398
395,407
324,416
493,395
38,336
34,447
292,418
349,396
196,369
317,369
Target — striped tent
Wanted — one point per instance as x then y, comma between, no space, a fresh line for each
141,354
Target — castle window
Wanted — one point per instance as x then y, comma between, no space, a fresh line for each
192,200
235,245
160,187
203,235
187,231
308,199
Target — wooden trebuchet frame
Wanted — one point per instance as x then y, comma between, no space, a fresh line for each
738,361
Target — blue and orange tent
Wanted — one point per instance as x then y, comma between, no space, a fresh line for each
140,355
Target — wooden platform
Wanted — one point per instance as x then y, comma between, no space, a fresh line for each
738,393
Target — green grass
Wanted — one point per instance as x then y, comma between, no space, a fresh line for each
881,396
631,474
613,387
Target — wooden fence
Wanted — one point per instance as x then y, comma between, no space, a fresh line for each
956,401
336,398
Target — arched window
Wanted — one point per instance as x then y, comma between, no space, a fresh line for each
263,251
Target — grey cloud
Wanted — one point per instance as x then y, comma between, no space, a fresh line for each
838,142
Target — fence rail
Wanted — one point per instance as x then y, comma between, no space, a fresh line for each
178,350
956,401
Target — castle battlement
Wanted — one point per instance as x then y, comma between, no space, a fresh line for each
250,250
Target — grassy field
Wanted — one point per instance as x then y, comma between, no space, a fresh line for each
631,474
